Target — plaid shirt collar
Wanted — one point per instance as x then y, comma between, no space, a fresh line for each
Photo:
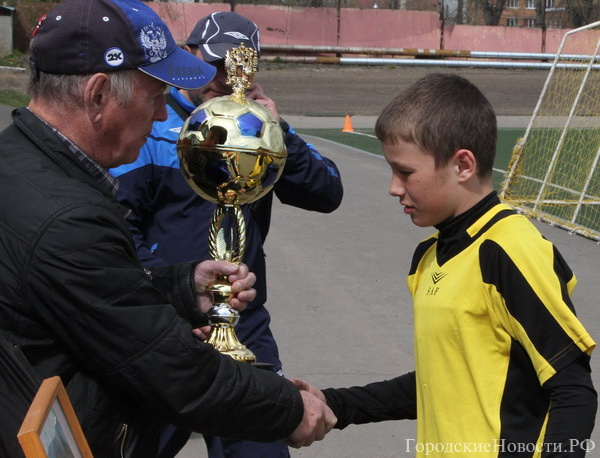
92,167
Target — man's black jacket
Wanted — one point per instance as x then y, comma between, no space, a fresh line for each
78,303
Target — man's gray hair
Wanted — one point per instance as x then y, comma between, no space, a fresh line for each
68,89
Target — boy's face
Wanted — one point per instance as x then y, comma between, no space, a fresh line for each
429,195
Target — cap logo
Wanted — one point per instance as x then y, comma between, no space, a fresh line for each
154,42
114,57
237,35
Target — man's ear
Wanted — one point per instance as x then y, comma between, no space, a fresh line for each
466,164
96,95
190,50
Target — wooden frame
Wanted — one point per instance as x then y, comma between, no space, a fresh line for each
50,428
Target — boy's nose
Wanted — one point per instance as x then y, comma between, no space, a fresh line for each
396,188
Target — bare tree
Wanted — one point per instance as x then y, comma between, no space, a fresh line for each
581,12
492,11
459,11
540,14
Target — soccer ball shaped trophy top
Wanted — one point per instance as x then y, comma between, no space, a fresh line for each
232,152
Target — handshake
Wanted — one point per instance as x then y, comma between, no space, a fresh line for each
318,418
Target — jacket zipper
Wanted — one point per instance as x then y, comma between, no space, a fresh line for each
122,436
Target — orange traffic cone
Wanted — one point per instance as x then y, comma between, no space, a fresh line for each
347,125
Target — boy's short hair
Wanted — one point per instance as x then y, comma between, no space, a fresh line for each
442,113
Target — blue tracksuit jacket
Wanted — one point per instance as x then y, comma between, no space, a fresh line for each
170,223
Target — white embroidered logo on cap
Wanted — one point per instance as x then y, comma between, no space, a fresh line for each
154,41
114,57
237,35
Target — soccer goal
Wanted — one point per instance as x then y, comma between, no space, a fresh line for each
553,172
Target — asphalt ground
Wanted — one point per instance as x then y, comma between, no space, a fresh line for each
340,307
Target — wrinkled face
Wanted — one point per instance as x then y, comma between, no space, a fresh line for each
126,127
427,193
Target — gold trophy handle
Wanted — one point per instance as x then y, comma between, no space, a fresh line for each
227,247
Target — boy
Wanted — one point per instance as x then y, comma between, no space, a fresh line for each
502,362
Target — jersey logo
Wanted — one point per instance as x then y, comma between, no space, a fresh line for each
437,276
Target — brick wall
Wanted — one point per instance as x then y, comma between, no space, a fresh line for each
375,28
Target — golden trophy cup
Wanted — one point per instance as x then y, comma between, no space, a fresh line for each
232,151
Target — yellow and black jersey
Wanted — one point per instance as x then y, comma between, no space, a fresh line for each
493,323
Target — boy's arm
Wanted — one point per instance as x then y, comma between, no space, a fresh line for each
309,180
573,403
394,399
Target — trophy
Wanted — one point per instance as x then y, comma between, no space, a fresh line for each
231,150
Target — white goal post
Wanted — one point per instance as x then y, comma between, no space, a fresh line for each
553,172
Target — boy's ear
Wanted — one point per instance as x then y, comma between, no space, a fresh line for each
466,164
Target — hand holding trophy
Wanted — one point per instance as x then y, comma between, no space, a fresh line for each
232,152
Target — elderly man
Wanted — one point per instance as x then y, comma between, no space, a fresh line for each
75,298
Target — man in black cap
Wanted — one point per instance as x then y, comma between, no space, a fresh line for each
75,298
170,223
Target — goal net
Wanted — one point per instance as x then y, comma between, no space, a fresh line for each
553,172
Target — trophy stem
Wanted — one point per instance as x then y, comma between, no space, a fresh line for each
222,317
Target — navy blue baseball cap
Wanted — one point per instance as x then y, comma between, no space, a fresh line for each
101,36
218,32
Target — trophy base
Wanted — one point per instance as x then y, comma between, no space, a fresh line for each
224,340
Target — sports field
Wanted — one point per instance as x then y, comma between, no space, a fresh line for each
567,179
364,139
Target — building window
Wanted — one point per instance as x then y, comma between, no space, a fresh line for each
549,3
530,4
554,24
513,3
530,22
512,22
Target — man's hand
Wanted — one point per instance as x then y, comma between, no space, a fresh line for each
240,277
305,386
202,333
256,93
317,421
